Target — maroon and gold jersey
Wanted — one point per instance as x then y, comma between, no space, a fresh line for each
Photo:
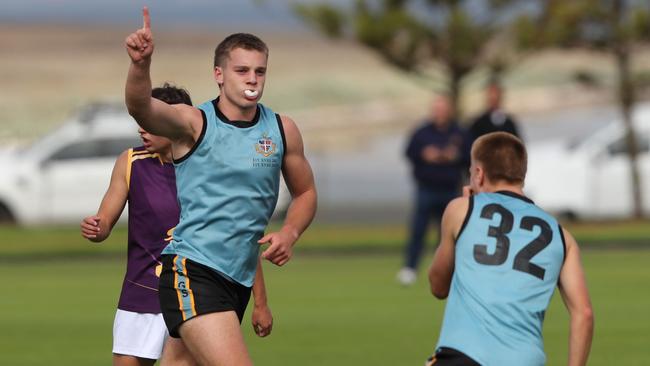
153,214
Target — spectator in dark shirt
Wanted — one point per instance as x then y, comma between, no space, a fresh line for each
438,151
494,119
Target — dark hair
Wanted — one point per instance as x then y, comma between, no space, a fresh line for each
503,157
238,40
171,94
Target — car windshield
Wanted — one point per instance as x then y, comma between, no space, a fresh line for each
614,129
87,117
577,141
596,136
48,139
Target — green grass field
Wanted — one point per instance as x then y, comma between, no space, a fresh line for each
339,309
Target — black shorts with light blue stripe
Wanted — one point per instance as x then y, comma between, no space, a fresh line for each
450,357
188,289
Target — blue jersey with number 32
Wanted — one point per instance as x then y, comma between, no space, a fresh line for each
509,254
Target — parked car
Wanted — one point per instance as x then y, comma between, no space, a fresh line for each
590,177
62,177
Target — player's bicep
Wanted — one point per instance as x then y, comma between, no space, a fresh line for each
442,267
298,175
573,285
295,167
176,122
117,192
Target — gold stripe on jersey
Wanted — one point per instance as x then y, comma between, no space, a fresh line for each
147,155
144,286
144,156
140,152
138,155
129,161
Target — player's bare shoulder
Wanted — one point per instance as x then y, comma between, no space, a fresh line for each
121,162
292,134
124,156
569,241
458,206
455,213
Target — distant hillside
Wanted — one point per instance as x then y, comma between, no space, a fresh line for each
332,89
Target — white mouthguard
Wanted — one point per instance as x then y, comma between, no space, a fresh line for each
250,93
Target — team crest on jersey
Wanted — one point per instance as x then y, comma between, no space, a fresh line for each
265,146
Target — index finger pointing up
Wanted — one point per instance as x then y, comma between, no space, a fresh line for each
146,21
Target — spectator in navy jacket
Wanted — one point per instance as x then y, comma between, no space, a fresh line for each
439,153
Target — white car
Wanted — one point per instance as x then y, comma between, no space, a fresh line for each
62,177
590,177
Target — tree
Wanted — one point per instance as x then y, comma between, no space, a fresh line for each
410,35
609,26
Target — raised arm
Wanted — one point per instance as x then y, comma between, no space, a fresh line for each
300,181
573,288
179,122
442,267
97,228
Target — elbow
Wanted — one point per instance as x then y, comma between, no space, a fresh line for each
585,312
583,318
438,285
314,198
135,110
138,108
438,290
310,198
98,239
141,115
587,315
440,294
132,109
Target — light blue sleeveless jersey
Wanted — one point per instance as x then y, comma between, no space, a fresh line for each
508,259
227,189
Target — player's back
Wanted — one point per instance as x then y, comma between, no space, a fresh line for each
508,258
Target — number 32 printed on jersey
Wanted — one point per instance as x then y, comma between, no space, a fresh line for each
523,258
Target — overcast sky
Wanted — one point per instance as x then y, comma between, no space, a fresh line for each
203,13
251,14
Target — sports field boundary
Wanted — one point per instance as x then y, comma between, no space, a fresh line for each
357,250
